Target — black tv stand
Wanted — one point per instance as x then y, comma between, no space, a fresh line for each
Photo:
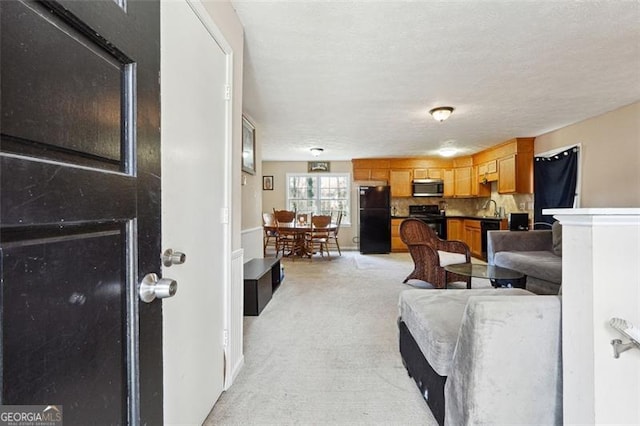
261,280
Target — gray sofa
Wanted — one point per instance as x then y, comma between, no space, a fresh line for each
484,356
537,254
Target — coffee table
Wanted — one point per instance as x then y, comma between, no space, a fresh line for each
499,276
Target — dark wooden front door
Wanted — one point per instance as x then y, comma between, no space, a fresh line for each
80,208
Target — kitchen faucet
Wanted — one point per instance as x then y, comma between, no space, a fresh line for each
496,212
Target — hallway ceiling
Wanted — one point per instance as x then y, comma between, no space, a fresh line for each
358,78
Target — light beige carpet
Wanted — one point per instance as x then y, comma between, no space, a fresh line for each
325,349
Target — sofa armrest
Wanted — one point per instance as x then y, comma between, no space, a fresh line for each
506,366
538,240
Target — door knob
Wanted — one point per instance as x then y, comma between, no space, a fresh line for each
170,257
152,287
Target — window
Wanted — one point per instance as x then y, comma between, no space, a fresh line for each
327,193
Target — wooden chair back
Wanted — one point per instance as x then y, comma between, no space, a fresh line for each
284,216
321,221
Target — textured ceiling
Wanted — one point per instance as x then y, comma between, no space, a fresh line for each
358,78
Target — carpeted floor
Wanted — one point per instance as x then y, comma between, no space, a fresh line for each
325,349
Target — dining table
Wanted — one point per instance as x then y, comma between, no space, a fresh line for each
298,230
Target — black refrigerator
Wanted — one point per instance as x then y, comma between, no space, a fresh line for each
375,219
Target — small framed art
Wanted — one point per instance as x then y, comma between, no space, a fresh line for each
267,183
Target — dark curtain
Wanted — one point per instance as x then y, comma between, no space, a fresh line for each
554,183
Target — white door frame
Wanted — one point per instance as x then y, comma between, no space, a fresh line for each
225,211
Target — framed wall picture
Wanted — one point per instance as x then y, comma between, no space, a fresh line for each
248,147
267,183
318,166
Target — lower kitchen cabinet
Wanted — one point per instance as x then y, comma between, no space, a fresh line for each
473,236
396,242
455,229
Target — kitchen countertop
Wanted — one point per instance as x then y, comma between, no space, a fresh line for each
492,218
497,219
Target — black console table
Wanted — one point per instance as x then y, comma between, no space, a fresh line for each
261,279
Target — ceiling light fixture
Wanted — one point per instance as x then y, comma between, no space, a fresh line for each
448,151
441,113
316,151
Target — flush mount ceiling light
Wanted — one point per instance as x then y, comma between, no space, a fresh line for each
448,151
316,151
441,113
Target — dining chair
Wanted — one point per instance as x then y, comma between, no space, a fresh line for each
284,240
270,236
333,234
317,237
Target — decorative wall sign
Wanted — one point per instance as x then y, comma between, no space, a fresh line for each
318,166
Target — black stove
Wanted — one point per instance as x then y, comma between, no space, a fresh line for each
431,216
424,211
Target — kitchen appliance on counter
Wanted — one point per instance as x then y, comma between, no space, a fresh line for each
428,187
375,219
431,216
519,222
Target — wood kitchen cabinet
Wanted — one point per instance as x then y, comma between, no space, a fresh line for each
421,173
455,229
507,174
371,174
428,174
488,171
473,236
396,242
462,181
449,183
515,174
400,182
479,189
370,169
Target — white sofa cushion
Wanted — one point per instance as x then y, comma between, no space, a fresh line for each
539,264
448,258
506,368
434,316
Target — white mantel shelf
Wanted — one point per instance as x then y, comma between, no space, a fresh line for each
596,216
603,211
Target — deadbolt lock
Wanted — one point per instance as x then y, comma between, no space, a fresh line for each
170,257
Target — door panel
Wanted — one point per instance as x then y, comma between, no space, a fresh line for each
79,208
82,104
65,337
193,158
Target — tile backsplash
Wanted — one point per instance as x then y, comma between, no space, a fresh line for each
510,203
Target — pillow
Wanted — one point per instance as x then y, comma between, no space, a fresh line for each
448,258
556,237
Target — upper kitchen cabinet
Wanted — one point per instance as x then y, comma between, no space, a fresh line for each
488,171
428,174
462,181
400,182
515,171
373,170
479,188
449,183
510,163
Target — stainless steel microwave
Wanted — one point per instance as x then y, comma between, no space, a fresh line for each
428,188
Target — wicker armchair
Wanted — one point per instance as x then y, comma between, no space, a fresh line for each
424,245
